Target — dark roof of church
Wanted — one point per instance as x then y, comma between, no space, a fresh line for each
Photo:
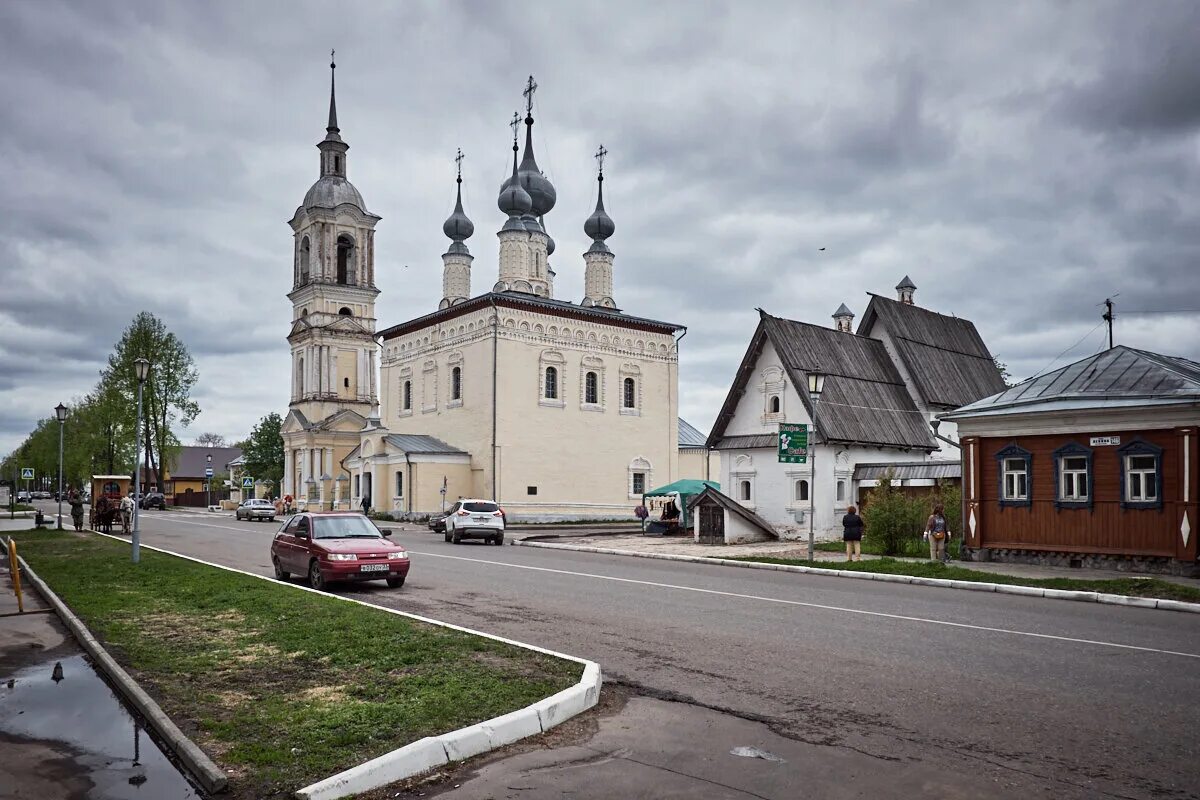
946,358
190,462
864,399
521,299
1122,376
689,437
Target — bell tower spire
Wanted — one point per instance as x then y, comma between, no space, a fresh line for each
333,126
598,272
456,261
333,149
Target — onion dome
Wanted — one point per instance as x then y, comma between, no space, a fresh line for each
514,200
541,191
457,226
599,225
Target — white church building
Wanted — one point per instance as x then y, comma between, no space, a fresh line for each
556,409
883,385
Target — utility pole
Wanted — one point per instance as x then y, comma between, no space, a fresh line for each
1108,317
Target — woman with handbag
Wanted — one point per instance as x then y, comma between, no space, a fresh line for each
852,533
938,534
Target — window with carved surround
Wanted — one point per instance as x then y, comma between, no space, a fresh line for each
455,397
1016,476
631,390
772,386
406,392
742,474
641,477
1141,475
429,374
1073,476
550,373
591,384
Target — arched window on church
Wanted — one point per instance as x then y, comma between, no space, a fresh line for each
591,388
629,394
337,164
551,392
305,256
300,378
775,404
345,260
456,383
800,493
345,312
408,395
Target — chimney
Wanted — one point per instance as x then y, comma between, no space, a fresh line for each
843,319
905,290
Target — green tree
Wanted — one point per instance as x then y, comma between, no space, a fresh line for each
263,451
167,396
209,439
1005,375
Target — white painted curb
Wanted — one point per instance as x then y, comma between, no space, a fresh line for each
435,751
976,586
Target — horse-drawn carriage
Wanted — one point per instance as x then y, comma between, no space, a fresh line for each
107,491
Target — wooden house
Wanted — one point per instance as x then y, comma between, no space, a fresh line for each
1094,464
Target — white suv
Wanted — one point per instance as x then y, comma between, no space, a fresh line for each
475,519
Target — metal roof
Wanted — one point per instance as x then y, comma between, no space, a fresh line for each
946,358
746,442
909,470
864,400
1120,377
191,462
689,436
419,443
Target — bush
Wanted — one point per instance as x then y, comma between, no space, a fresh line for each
893,521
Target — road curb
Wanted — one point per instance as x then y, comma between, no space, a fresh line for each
435,751
188,752
944,583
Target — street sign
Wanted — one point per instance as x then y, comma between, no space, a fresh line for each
208,473
793,443
26,473
247,483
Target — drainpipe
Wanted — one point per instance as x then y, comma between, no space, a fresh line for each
671,478
408,478
495,373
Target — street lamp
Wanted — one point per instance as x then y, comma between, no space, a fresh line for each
60,411
142,368
208,482
816,385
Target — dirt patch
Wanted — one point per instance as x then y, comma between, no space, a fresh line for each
325,694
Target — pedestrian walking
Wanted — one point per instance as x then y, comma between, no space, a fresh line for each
366,505
127,513
75,500
287,504
852,533
278,507
938,534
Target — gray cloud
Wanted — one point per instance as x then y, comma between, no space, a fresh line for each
1020,163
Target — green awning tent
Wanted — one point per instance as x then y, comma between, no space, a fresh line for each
685,488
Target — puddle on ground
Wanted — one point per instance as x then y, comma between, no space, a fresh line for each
78,723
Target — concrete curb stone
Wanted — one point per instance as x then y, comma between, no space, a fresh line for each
945,583
200,765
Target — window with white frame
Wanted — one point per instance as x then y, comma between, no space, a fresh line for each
745,491
399,483
456,383
551,378
591,388
628,393
550,392
407,391
1073,478
775,405
800,491
641,476
841,491
639,483
1016,479
1141,478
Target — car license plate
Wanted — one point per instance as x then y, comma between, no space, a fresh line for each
481,519
374,568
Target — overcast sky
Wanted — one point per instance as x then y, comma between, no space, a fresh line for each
1020,161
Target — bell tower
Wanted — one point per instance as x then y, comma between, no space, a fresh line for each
332,335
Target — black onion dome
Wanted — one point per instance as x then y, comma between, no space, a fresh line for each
599,225
540,189
458,226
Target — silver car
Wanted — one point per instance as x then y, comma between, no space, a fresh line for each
255,510
475,519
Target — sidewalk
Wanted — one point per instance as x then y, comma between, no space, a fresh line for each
684,546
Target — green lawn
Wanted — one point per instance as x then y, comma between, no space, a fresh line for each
281,686
913,548
1132,587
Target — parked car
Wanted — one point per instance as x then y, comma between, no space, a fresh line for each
24,497
332,546
255,509
154,500
437,523
41,495
475,519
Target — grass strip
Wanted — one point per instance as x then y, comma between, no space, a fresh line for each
1130,587
913,548
283,687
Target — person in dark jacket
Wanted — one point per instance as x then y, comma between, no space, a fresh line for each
852,533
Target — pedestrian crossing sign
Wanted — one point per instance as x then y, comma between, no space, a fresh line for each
247,483
26,473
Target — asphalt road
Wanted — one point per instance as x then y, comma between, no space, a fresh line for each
917,689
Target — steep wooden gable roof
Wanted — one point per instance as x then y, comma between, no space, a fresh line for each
945,356
864,400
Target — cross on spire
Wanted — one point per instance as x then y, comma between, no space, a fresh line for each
458,159
530,88
332,65
516,123
600,154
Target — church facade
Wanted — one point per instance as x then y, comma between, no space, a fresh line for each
556,409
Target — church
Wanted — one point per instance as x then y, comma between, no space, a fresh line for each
556,409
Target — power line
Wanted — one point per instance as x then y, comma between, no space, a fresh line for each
1053,361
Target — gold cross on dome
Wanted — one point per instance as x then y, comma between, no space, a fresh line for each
516,123
530,88
600,154
458,159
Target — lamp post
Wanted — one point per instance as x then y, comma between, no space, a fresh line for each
60,411
142,367
816,385
208,482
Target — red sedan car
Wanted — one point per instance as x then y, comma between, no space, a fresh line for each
337,546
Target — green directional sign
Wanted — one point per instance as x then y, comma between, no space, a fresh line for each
26,473
247,483
793,443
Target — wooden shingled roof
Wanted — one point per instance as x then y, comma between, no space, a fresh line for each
864,401
945,356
